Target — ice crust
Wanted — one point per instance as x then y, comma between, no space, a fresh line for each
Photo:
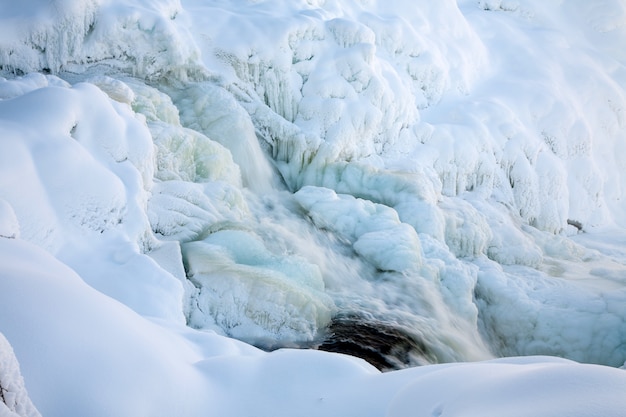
453,169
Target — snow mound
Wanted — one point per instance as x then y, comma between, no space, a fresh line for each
14,400
512,387
63,133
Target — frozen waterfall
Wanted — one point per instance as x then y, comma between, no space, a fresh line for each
416,184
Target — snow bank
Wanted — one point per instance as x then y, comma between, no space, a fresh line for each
9,227
63,133
14,400
87,354
511,387
76,169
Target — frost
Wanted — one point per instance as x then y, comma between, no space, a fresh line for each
186,155
45,37
14,400
63,35
197,184
561,315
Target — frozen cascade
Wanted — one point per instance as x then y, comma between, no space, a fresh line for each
267,275
209,109
425,197
477,197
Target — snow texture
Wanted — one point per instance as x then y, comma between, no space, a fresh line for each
14,400
87,354
174,173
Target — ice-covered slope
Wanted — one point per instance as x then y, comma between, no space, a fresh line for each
413,182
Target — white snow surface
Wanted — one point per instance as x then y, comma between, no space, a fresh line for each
14,400
84,353
177,175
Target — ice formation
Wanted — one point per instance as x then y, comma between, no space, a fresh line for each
452,171
485,154
253,294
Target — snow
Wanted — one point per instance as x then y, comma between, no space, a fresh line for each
14,399
10,227
86,353
180,179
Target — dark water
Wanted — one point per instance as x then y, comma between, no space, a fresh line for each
385,345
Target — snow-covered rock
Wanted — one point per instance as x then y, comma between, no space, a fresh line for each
14,400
